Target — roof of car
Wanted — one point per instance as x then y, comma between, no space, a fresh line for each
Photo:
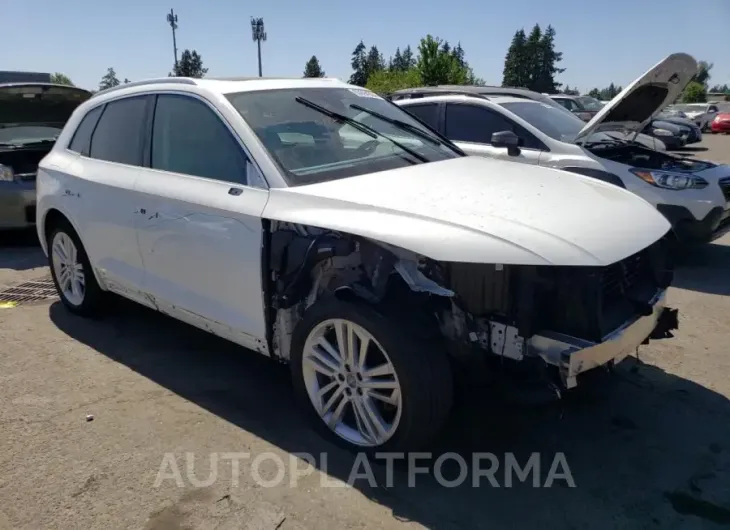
474,89
457,97
227,85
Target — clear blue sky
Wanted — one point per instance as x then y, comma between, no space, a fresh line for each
601,41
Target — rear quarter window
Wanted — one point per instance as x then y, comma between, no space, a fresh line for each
81,141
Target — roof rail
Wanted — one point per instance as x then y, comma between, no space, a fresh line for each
438,91
168,80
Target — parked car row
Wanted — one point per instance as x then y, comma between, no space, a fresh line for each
674,131
356,240
701,114
692,194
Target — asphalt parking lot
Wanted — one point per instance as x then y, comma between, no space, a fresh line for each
91,409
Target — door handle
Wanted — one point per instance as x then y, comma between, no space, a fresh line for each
235,192
140,211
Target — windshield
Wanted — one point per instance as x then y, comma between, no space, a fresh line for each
27,134
555,123
590,103
306,131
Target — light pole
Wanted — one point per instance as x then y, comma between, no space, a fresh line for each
258,34
172,20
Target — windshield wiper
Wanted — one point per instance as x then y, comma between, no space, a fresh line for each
372,133
404,126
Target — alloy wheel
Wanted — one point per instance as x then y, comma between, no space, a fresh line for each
68,269
352,383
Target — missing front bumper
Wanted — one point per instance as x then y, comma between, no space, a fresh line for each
575,356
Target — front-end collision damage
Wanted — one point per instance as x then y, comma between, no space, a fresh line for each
572,318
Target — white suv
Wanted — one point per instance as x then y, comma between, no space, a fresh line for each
693,194
371,254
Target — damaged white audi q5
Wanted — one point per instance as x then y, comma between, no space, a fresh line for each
321,225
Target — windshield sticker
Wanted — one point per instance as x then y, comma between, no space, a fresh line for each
361,92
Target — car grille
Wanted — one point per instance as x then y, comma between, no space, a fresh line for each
725,187
621,277
592,302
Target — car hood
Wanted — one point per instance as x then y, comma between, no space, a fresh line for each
644,98
39,103
479,210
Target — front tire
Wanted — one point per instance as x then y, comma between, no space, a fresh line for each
369,382
72,273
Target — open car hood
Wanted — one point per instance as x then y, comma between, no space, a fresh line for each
644,98
38,103
479,210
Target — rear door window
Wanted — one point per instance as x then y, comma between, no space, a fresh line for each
119,135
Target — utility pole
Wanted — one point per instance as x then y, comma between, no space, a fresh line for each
172,20
259,34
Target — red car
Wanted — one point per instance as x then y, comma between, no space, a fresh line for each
721,123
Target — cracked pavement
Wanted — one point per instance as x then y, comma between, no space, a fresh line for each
650,450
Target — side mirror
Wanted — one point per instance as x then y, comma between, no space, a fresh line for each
507,139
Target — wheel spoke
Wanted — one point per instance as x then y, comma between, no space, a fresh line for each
64,280
342,330
391,399
374,417
333,352
362,354
379,384
59,252
363,421
76,288
384,370
321,362
336,416
337,395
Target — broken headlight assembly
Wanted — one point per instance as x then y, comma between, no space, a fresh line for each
670,181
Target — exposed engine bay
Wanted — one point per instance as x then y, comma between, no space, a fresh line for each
512,311
641,157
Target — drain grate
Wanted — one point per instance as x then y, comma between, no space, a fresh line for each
32,291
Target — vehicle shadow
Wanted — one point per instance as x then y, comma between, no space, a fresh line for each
704,268
20,250
645,451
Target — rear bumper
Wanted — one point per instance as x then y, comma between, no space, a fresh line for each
17,205
690,230
574,356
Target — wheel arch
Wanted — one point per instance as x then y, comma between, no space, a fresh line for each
54,217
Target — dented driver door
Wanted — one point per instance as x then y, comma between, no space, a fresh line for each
198,224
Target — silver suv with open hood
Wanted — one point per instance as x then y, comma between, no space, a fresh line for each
692,194
32,115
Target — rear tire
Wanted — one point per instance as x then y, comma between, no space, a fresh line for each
412,378
72,273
